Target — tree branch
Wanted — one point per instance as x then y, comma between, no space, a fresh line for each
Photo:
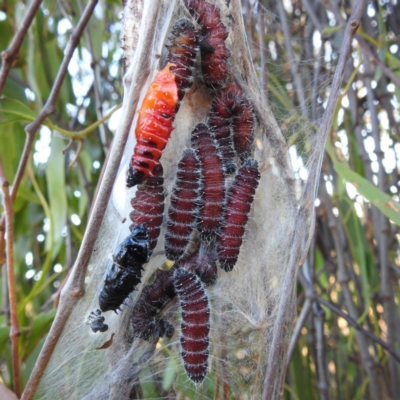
356,325
10,55
282,325
14,332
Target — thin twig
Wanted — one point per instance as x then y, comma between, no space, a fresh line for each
77,153
319,316
301,320
356,325
10,55
381,227
282,324
375,59
96,86
50,105
14,332
263,50
293,64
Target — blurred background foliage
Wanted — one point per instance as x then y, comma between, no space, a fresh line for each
351,276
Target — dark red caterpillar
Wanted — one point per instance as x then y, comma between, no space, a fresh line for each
148,205
154,126
212,182
239,199
126,270
232,110
182,54
195,325
214,53
202,263
146,323
184,206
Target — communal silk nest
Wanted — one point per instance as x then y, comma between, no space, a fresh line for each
243,302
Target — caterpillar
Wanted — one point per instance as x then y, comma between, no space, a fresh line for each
148,205
238,203
184,206
214,53
243,122
154,126
195,324
96,321
125,272
201,263
212,182
232,110
145,321
182,54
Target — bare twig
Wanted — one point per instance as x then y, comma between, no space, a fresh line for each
10,55
381,227
293,64
301,320
263,50
375,59
14,332
50,105
96,86
282,324
73,42
356,325
77,152
319,315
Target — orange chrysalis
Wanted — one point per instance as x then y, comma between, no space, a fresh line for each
154,126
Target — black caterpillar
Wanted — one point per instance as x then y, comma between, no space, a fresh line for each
126,270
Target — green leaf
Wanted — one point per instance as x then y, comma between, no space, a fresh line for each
55,176
39,328
357,242
12,138
4,336
13,110
169,374
381,200
27,194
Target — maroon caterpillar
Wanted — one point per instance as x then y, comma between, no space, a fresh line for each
184,206
148,205
182,54
232,110
146,321
212,182
195,324
238,203
214,53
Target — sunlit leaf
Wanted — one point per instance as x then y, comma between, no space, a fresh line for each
384,202
13,110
